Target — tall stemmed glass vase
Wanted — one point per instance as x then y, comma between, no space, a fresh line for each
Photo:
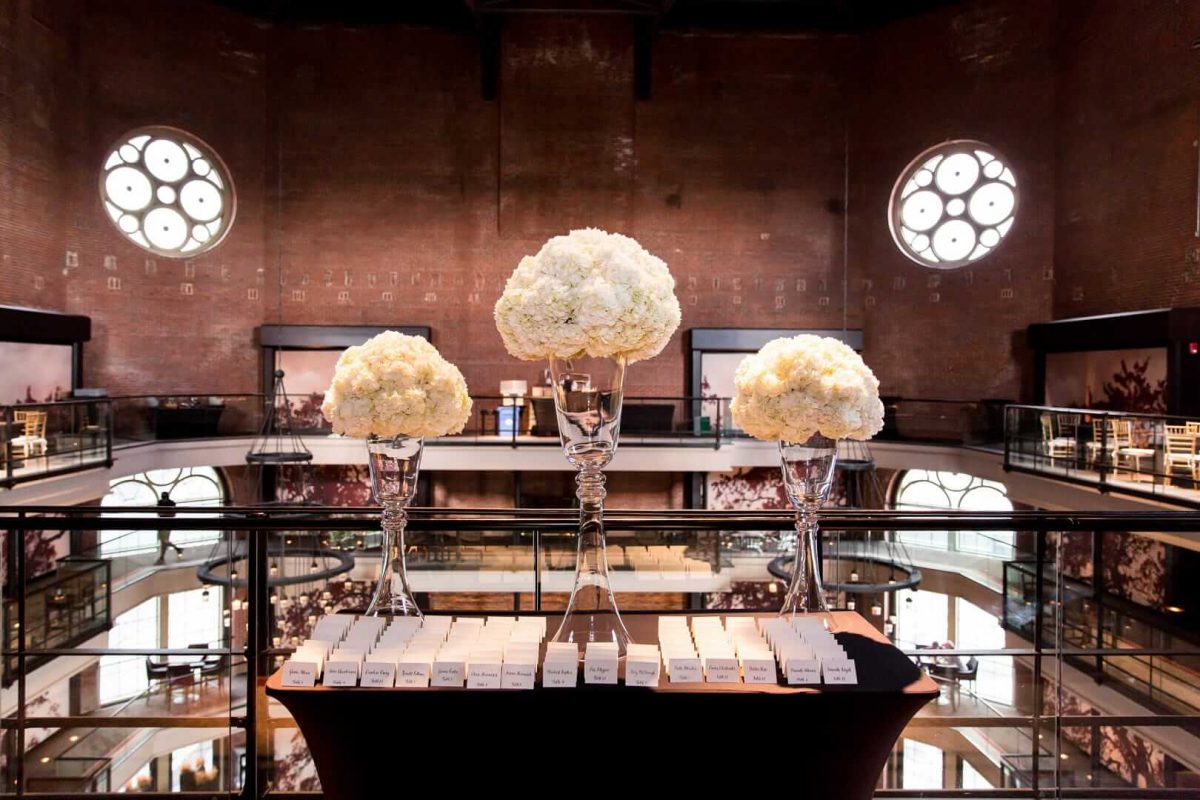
808,470
394,464
587,397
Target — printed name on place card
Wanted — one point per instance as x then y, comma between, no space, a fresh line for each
560,675
841,671
341,674
299,674
803,672
379,674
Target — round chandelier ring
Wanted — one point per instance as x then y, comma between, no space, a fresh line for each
345,563
781,568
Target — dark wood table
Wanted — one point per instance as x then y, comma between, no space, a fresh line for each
828,742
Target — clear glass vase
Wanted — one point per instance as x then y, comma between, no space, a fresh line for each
587,399
808,470
394,464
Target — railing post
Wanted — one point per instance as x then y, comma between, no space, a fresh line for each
1097,595
1008,413
8,448
22,579
537,569
717,427
110,423
1038,646
1103,455
258,640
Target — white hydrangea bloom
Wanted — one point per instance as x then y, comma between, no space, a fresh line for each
396,385
794,388
588,293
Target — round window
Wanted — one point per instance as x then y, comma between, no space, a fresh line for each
953,204
167,192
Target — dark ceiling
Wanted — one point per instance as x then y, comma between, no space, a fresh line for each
819,15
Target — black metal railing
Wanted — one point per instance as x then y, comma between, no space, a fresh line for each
81,434
40,440
1037,730
1143,455
61,609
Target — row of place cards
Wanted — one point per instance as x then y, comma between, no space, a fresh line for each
502,653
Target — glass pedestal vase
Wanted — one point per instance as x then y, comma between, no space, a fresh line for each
808,471
587,400
394,464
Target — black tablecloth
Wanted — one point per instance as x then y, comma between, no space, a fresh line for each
818,742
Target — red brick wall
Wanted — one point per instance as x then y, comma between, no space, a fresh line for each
981,70
1128,88
194,67
376,186
408,199
35,66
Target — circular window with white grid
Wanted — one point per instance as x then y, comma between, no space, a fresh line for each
167,192
953,204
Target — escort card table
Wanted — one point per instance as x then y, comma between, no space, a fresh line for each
824,741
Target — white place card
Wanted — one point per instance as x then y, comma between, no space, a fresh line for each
685,670
412,674
600,669
340,673
841,671
642,671
560,673
518,675
759,670
483,675
721,670
449,672
299,673
379,674
803,671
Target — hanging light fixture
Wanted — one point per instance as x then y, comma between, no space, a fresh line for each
276,442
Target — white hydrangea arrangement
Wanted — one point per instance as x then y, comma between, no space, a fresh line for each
588,293
796,387
396,385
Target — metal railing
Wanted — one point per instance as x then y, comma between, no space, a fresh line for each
62,609
1144,455
1037,731
41,440
81,434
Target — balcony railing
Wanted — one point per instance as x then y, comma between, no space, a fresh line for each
1035,738
77,435
1144,455
40,440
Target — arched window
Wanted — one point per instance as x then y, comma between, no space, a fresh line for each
933,490
188,486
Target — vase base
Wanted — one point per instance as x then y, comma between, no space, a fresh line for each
394,606
599,626
828,621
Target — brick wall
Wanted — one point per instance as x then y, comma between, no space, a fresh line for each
981,70
408,199
35,63
1128,85
375,185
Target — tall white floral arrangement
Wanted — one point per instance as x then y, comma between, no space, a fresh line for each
396,385
588,293
796,387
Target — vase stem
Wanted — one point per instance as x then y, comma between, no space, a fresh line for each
806,594
591,614
392,593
